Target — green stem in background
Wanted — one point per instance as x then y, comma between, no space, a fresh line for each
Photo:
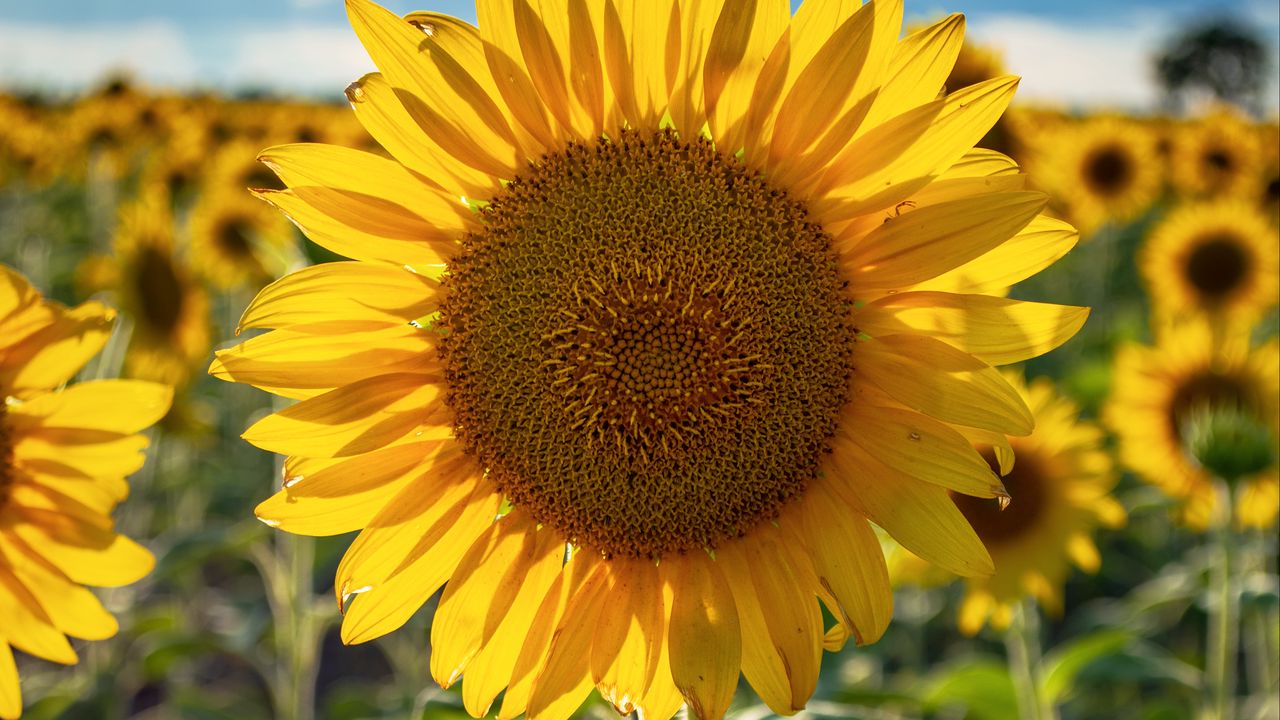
1223,632
1261,640
1022,649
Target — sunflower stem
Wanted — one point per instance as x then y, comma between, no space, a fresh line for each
1223,629
1022,647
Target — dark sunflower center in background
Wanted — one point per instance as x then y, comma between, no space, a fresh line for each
1026,484
159,291
1217,266
1108,170
1218,160
233,238
1206,390
647,347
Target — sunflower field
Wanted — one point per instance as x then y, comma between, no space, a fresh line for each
644,358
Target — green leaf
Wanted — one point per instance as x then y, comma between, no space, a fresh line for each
1064,663
982,686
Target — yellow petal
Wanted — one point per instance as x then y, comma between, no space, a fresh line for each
71,608
533,652
48,357
378,108
744,35
320,358
114,406
890,162
923,448
493,667
919,68
995,330
706,639
629,635
357,232
918,515
77,455
934,378
345,496
823,87
10,692
352,419
1040,244
490,576
463,119
85,553
642,55
688,103
924,243
780,620
564,681
357,292
26,625
390,591
848,561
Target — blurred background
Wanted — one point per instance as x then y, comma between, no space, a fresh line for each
128,130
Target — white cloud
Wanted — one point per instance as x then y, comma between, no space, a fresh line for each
61,57
1089,65
301,57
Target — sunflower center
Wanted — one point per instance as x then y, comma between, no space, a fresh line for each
1026,484
159,291
647,344
1217,266
1206,391
233,238
1108,170
1217,159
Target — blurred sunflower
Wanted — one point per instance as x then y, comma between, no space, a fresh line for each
239,241
1267,189
156,290
1159,391
1216,157
64,456
1219,258
1059,487
603,315
976,64
1103,169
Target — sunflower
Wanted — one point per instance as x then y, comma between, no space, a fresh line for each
64,456
1059,487
652,312
1158,390
156,290
1267,187
1103,169
238,241
1218,156
977,64
1219,258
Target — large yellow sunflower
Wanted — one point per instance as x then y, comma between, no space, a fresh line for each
1102,169
654,309
64,456
1218,258
1159,390
1059,486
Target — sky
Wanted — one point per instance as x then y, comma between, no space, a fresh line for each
1083,53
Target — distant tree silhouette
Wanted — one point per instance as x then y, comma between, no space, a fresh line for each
1221,56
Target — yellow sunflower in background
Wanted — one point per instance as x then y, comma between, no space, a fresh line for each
1219,156
1218,258
155,288
977,64
1060,486
1267,188
645,322
64,456
1105,169
239,241
1159,390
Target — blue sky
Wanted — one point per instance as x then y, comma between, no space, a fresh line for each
1084,52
